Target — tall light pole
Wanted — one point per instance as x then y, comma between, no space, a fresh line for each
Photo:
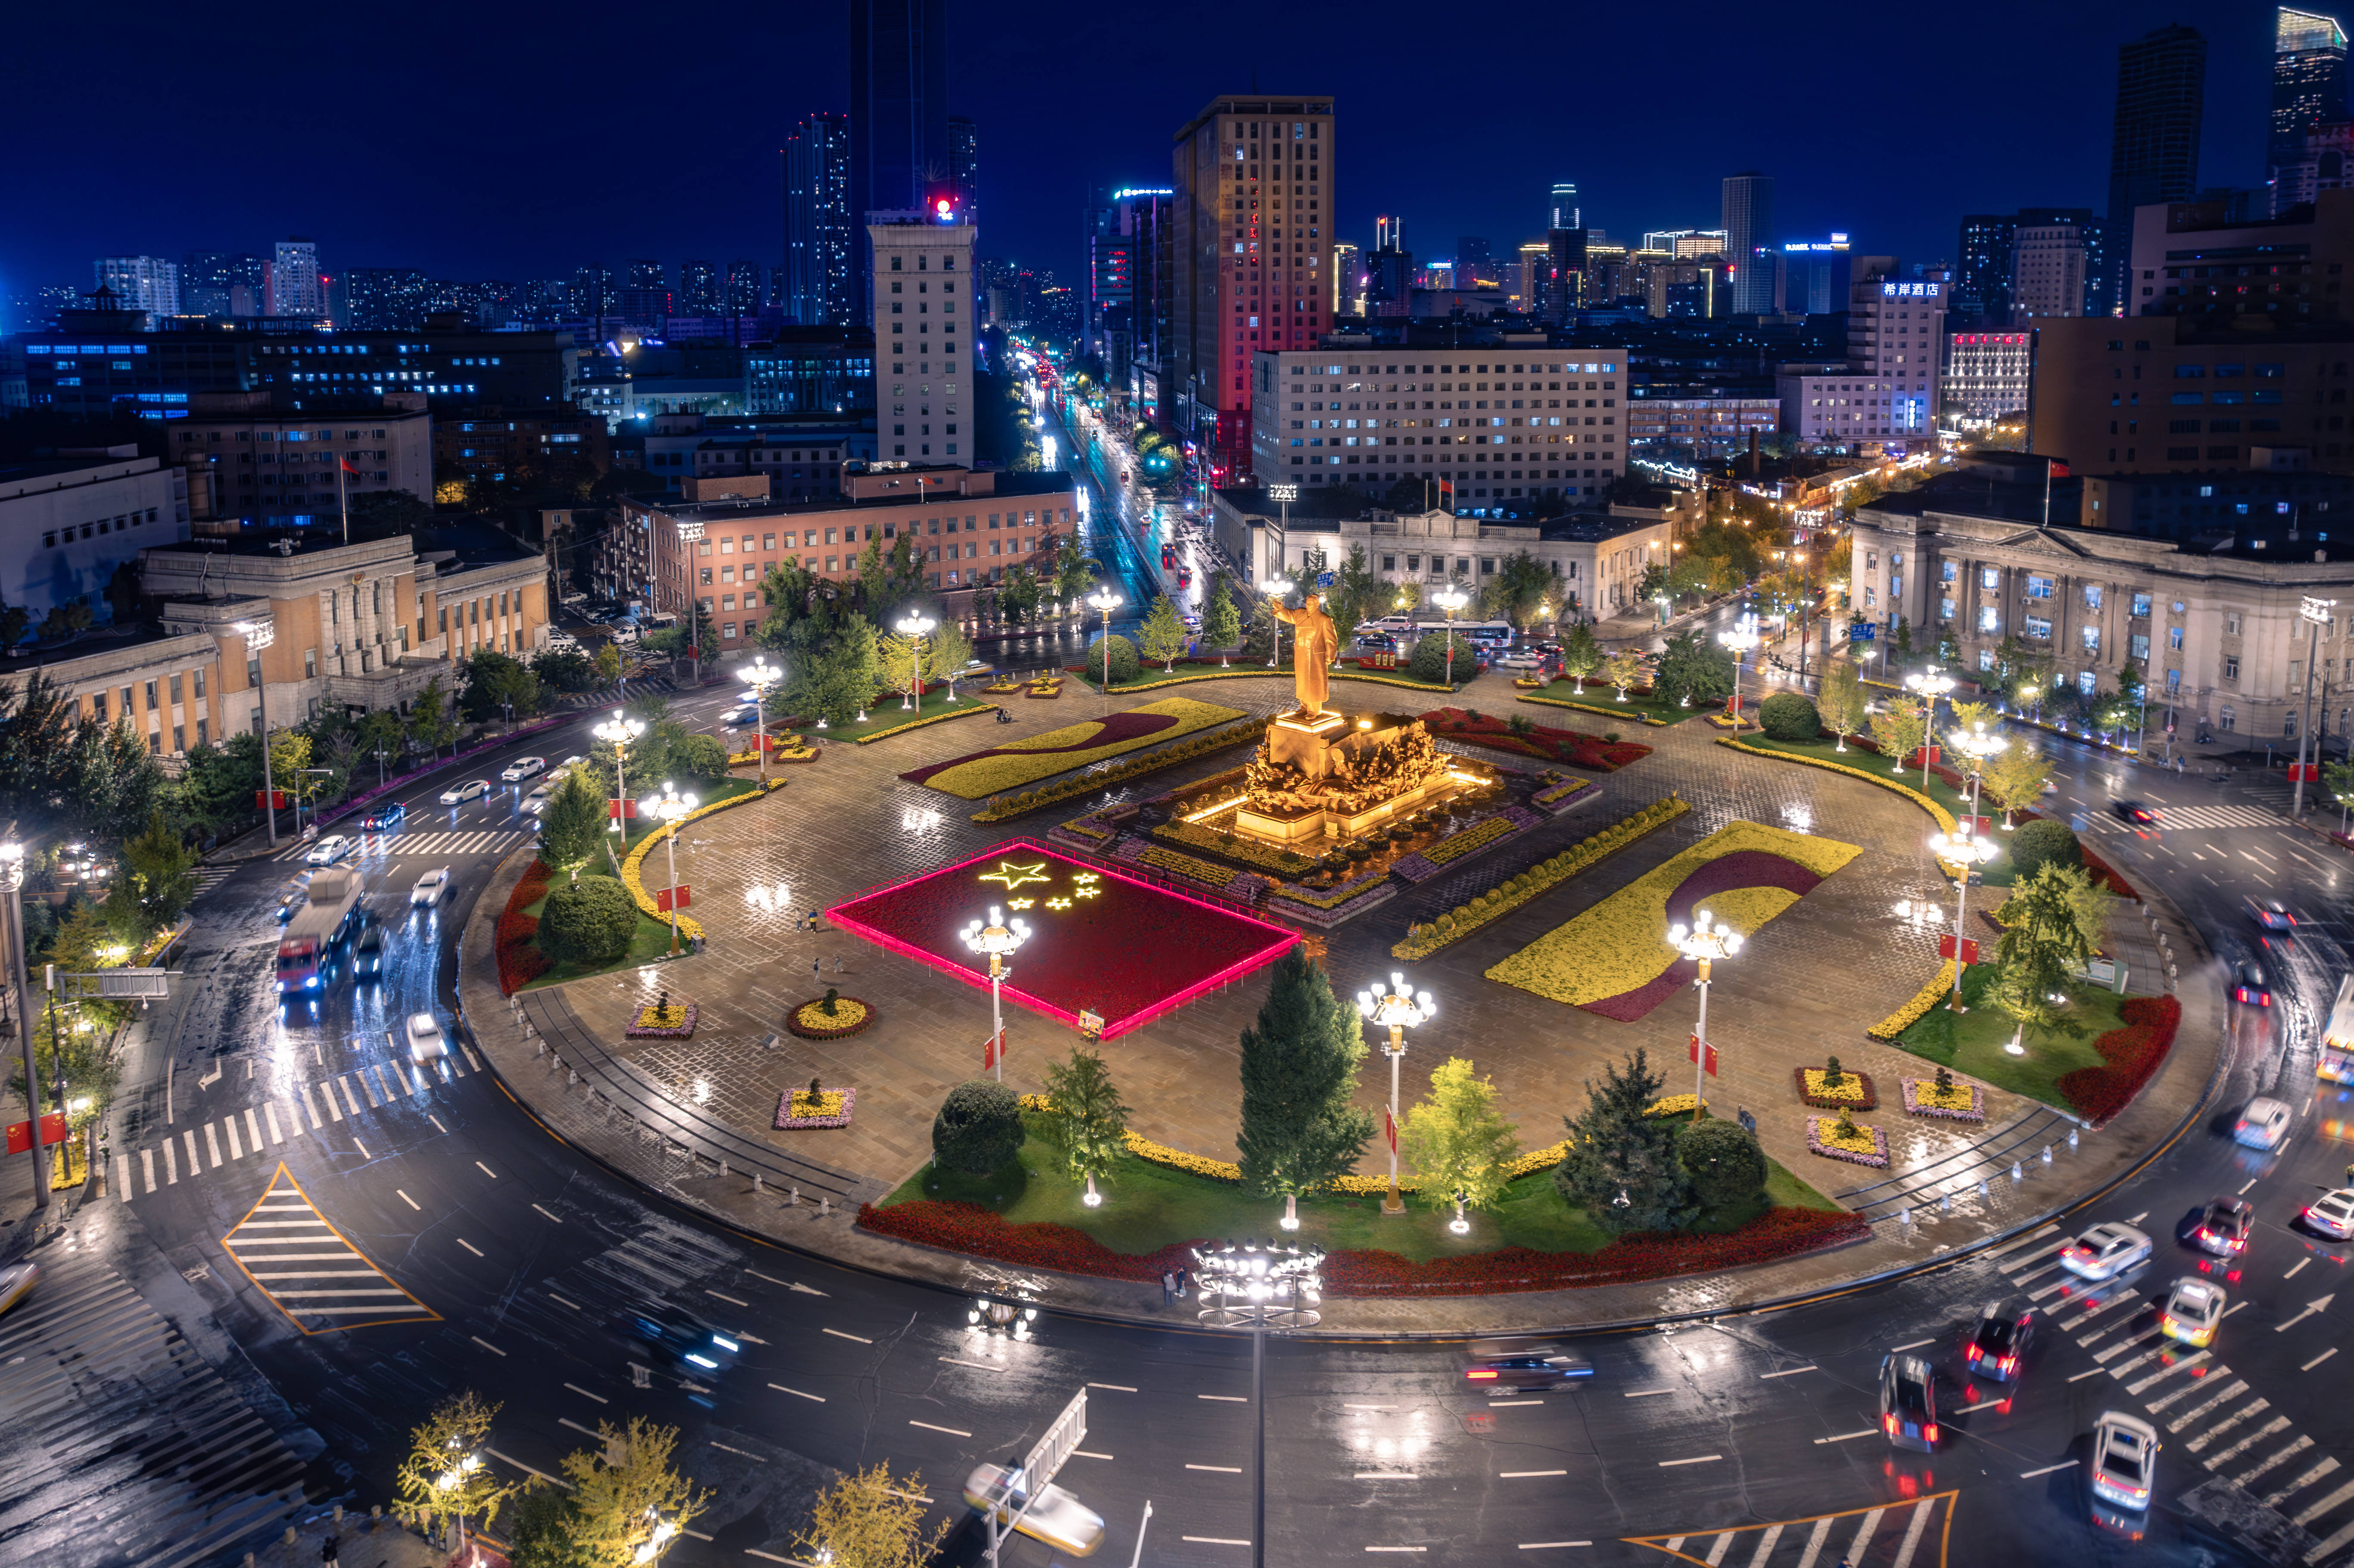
1283,495
998,940
670,806
258,636
1744,637
1703,943
2315,613
1105,601
1392,1006
1931,684
618,732
1977,744
759,675
1450,600
915,628
11,882
1966,852
1277,587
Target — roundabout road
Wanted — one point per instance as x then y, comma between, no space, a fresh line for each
489,1255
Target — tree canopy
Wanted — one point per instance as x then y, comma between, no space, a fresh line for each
1299,1063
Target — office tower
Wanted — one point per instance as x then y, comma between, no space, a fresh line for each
2154,149
1475,264
2308,84
1127,307
1563,212
899,156
1243,224
1982,282
964,166
146,283
1895,334
592,292
1349,280
2047,276
746,291
382,298
1389,270
1389,234
698,288
1815,275
818,247
218,283
921,296
644,273
1748,227
292,280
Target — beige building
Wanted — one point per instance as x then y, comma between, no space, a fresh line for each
252,459
2216,632
167,684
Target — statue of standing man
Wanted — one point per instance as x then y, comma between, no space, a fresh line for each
1318,644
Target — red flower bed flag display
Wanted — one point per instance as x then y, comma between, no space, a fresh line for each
1100,942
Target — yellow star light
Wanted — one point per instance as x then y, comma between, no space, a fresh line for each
1020,902
1014,875
1058,903
1090,892
1085,877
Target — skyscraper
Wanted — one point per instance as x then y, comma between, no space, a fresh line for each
2308,83
592,292
1475,264
817,291
1243,221
1748,240
1981,293
964,166
746,293
644,273
146,283
293,280
2154,149
698,288
216,283
1564,209
899,154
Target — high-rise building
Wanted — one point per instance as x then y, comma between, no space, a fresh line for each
644,273
377,298
922,297
1981,292
746,293
818,247
2308,84
1748,242
1814,276
1389,270
2047,276
1251,256
698,288
2154,148
292,281
593,292
218,283
899,153
1895,338
1475,263
1563,212
964,166
1126,308
2193,259
146,283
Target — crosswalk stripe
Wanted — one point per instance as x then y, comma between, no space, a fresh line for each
212,1146
147,1167
228,1123
2330,1546
270,1242
122,1176
171,1164
2185,1364
1814,1544
2247,1412
253,1126
2324,1506
1766,1545
326,1093
1863,1532
194,1165
2231,1391
270,1114
2273,1428
370,1088
1921,1512
2274,1499
2281,1458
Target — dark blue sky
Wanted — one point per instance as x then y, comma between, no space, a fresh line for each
491,141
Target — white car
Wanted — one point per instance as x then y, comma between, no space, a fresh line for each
1055,1517
2193,1311
431,888
523,767
329,850
747,696
2104,1252
2262,1125
1520,660
2124,1460
471,790
570,763
427,1042
536,801
740,715
2332,1213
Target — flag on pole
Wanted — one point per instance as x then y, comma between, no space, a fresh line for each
993,1051
1389,1129
1699,1048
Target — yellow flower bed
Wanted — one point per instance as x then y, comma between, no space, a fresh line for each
1911,1013
661,1017
1239,733
1827,1133
1850,1086
1944,818
1671,1104
1007,767
1472,838
825,1102
847,1013
1960,1097
918,723
1421,940
1185,865
1621,943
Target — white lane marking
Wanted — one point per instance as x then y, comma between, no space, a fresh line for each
1221,1469
1549,1545
253,1126
1791,1371
2246,1479
2318,1510
343,1081
1646,1393
544,1211
951,1431
229,1124
2166,1372
486,1170
2230,1391
311,1107
1766,1545
2246,1184
146,1164
270,1114
1115,1387
731,1300
410,1201
1225,1398
2047,1470
1700,1459
1815,1542
527,1470
586,1395
1519,1475
978,1366
2247,1412
2319,1358
1511,1403
568,1421
2293,1273
469,1246
1845,1437
1369,1407
560,1301
212,1146
840,1335
1213,1541
172,1164
797,1393
1397,1548
1087,1453
122,1176
2083,1375
486,1345
1921,1512
2274,1498
194,1164
1910,1345
432,1118
1981,1404
363,1149
326,1093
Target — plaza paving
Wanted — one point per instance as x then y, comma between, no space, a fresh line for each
1807,985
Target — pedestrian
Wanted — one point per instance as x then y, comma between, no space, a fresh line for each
1167,1289
327,1551
816,971
1183,1277
837,963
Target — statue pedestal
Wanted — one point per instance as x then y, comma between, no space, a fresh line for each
1352,778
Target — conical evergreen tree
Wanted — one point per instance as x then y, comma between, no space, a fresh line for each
1615,1149
1300,1065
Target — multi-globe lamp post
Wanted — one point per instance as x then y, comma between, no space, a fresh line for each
1977,743
618,732
670,807
1744,637
1277,587
1929,685
915,628
1394,1006
1704,942
2316,614
1450,600
1966,852
258,635
1104,601
997,939
759,675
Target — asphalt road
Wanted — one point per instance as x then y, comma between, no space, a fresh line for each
485,1255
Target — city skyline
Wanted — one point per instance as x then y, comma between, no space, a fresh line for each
2041,138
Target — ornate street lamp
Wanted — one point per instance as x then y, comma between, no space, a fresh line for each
1964,851
1261,1285
915,628
1744,637
998,940
761,675
1977,744
1277,587
1391,1005
1105,601
1450,600
1703,943
618,732
1930,685
2315,613
671,807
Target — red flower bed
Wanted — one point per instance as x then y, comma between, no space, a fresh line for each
970,1228
1579,750
1743,868
2130,1055
1121,948
520,958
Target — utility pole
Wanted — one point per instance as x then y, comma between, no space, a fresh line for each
2315,614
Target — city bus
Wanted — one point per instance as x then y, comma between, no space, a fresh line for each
2337,1036
308,945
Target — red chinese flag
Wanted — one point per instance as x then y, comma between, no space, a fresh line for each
621,808
682,897
349,469
1969,947
1389,1129
993,1051
1697,1050
53,1132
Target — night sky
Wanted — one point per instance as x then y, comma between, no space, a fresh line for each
515,142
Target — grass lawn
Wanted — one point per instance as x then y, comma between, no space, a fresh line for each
1147,1207
890,714
1973,1042
1602,699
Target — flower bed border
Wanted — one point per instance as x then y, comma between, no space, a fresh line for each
799,1033
1638,716
1877,1160
2131,1055
978,707
1555,798
1977,1111
1240,673
683,1030
515,940
633,880
1913,1011
1419,867
1870,1102
1185,748
1424,938
805,1123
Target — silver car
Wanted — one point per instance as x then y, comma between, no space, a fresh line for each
2124,1460
1055,1515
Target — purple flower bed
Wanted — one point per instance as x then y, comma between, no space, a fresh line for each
1557,798
788,1122
1419,867
1977,1111
683,1030
1743,868
1878,1158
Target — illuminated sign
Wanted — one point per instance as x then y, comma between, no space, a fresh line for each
1911,290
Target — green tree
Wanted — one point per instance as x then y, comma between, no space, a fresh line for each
158,882
2015,777
1581,655
1356,594
1074,570
1457,1140
1430,660
381,731
607,663
2043,944
620,1493
1898,730
1843,707
1166,637
587,922
2339,779
1299,1064
573,826
1222,623
951,654
1694,669
978,1127
905,662
1725,1167
871,1520
430,725
699,757
1622,669
1522,592
1259,632
540,1527
2044,842
1621,1168
446,1475
2088,905
840,682
873,580
1088,1118
1124,659
1790,716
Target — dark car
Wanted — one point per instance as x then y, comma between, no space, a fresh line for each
2134,811
1999,1344
367,951
1378,641
292,897
384,818
1524,1363
2223,1226
2248,984
689,1347
1908,1402
2271,914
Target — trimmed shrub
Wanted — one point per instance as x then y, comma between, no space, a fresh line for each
2044,843
1726,1166
1125,659
587,922
1789,715
979,1127
699,757
1430,662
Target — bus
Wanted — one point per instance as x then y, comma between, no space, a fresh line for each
2337,1036
307,948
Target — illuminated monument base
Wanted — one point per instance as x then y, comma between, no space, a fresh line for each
1323,776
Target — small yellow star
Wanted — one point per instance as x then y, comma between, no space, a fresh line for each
1090,892
1020,902
1014,875
1058,903
1085,877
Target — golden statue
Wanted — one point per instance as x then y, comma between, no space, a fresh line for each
1318,644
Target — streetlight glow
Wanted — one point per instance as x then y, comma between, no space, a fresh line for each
998,940
761,675
1398,1007
1744,637
1703,943
672,807
618,732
